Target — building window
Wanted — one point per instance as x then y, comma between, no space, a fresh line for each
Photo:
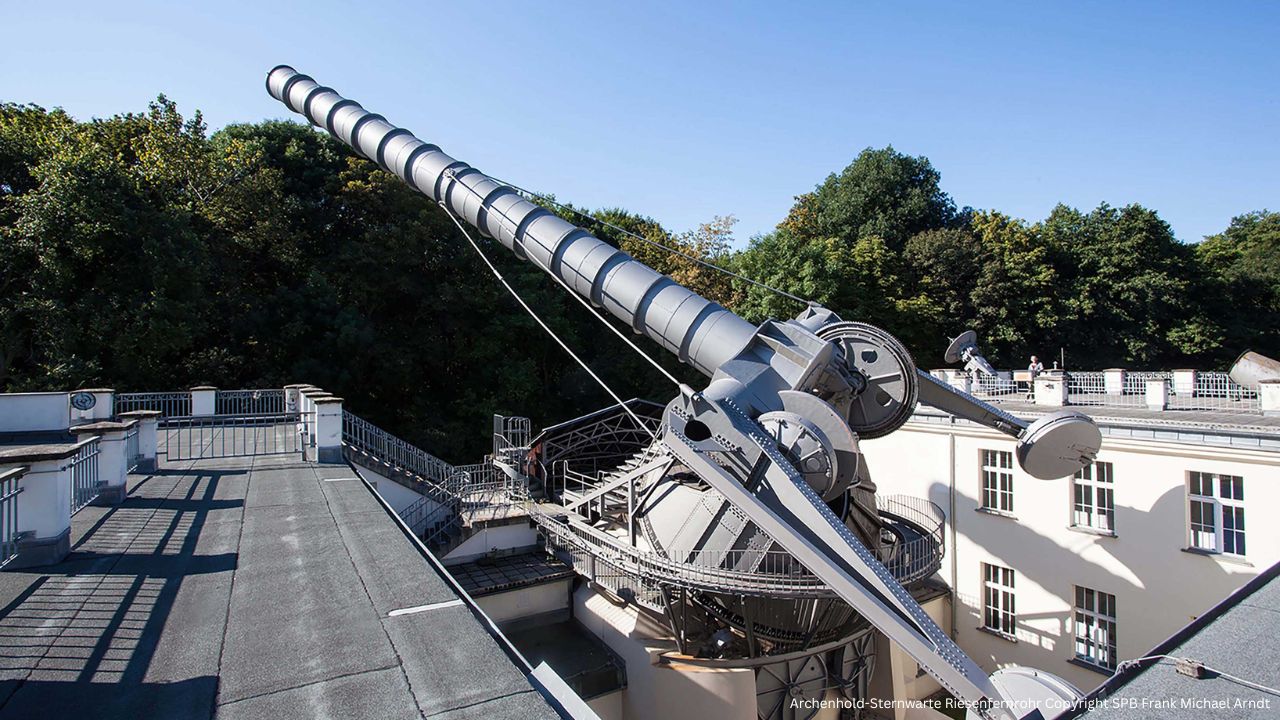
1096,627
1093,498
997,599
997,480
1215,505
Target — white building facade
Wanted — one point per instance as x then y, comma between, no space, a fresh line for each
1077,574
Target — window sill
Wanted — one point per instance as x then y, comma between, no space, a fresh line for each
1085,529
1091,666
997,513
1223,557
997,633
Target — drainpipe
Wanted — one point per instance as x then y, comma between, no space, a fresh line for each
951,497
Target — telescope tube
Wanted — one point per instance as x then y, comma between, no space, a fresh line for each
698,331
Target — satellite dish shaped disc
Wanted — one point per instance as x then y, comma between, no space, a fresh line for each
1059,444
1032,693
963,341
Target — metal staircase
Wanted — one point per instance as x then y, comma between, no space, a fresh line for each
454,497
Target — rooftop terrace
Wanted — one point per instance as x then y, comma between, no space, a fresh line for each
251,587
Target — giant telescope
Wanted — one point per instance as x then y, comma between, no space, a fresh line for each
774,434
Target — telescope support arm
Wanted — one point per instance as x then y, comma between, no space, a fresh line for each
935,393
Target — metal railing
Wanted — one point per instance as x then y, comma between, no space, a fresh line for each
216,436
1135,381
417,514
475,483
249,402
472,493
570,484
1086,383
1089,387
170,404
9,513
1211,390
1216,391
511,435
763,572
601,556
986,386
132,450
438,526
83,468
362,435
450,493
918,553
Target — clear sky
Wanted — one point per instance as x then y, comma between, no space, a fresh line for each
688,110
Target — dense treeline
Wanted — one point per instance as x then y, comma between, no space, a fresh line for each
140,252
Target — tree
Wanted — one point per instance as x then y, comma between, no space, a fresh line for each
102,281
883,193
138,251
1242,282
1129,291
1016,293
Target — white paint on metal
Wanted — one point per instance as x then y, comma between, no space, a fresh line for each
424,608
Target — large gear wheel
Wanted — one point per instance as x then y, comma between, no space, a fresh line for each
887,395
805,446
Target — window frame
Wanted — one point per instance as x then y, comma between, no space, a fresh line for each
1099,641
996,466
1096,479
999,601
1221,497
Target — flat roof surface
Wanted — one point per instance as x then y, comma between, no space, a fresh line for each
248,588
1238,641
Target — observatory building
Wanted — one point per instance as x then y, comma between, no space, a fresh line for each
819,530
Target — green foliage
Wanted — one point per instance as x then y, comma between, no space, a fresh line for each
1130,292
1242,282
882,193
881,243
140,252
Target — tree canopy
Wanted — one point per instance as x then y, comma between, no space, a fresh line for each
139,251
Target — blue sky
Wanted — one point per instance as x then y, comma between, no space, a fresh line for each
688,110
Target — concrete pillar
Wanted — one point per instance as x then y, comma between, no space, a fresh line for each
1184,383
1113,381
204,401
148,431
307,399
44,505
292,396
328,429
1269,396
1157,394
100,407
113,460
305,395
307,409
1050,389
